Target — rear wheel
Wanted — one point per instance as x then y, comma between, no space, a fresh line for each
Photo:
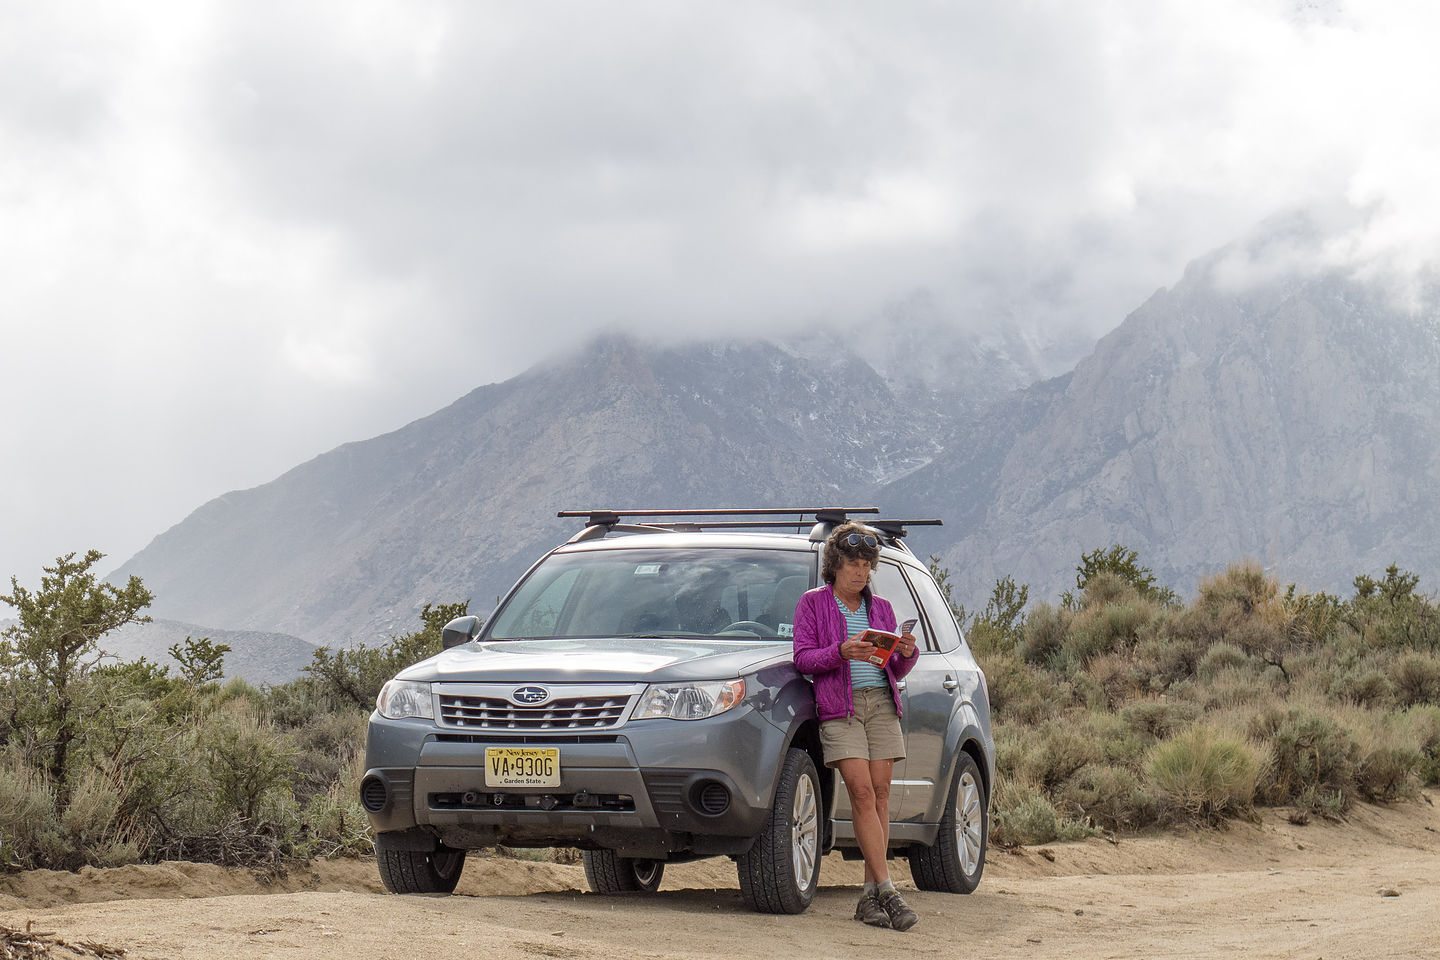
780,872
414,871
607,872
955,862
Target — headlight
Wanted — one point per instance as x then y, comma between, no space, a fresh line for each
405,698
689,701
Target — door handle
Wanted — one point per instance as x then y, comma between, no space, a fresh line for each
951,684
900,685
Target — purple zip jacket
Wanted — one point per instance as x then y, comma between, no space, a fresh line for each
819,631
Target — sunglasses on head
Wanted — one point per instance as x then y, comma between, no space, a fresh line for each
855,539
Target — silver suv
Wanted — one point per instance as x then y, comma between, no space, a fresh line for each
634,696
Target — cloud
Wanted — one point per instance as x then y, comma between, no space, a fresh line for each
235,235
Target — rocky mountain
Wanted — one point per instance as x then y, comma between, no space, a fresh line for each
257,656
456,505
1295,422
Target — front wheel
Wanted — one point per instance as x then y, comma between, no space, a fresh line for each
955,862
609,873
780,871
414,871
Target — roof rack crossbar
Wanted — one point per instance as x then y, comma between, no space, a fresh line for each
600,522
717,512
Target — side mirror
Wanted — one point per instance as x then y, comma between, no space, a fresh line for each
458,631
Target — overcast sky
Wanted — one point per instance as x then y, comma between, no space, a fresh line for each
234,235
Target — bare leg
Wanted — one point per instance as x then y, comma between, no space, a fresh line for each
880,771
871,831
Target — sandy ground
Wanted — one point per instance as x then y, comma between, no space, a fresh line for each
1369,887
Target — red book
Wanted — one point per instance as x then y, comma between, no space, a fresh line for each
884,645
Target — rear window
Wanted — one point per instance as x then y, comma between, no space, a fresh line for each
721,592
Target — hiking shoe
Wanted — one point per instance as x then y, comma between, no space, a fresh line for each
899,913
868,910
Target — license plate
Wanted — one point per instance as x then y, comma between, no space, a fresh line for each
522,766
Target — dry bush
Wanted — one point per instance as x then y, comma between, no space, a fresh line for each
1416,680
1362,685
1203,775
1052,753
1160,719
1311,756
1110,797
1044,634
1222,657
1242,588
1107,587
1243,687
1021,693
1120,679
1110,627
1421,726
1021,813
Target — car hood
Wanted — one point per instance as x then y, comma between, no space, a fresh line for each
605,660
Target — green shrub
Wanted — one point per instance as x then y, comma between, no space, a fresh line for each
1422,730
247,762
88,832
1107,587
1222,657
1242,588
1022,814
1110,797
1051,754
1310,619
1160,719
1387,771
1176,643
1362,685
1416,680
27,817
1202,775
1044,634
1124,565
326,746
1106,628
1311,756
1020,693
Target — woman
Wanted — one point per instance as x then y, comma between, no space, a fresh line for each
857,703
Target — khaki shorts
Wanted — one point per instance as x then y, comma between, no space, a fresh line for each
872,734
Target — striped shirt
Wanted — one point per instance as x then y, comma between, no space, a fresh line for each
862,673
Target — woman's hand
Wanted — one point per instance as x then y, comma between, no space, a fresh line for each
906,646
854,649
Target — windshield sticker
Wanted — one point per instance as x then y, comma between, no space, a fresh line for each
787,629
648,569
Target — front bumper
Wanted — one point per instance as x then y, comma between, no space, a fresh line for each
651,789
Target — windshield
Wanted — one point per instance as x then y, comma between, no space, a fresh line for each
658,593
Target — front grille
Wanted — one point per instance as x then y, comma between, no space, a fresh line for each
570,708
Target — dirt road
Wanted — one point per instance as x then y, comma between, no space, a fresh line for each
1366,888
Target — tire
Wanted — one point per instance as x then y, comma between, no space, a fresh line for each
781,870
413,871
956,861
609,873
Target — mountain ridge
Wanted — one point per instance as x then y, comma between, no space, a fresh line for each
1294,420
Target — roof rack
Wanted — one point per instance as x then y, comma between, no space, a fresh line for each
600,522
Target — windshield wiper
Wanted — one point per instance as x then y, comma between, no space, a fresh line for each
667,635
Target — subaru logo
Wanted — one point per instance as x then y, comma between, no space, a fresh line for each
530,695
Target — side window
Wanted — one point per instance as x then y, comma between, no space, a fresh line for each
889,583
947,634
